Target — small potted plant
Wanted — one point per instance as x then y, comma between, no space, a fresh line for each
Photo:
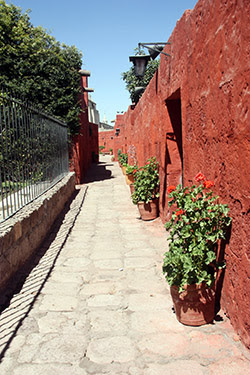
124,162
146,189
111,151
130,174
119,152
101,148
197,222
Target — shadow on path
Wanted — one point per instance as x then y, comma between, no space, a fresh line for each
24,289
98,172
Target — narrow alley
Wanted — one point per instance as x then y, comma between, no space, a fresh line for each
95,301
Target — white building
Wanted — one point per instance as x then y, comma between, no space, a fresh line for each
93,112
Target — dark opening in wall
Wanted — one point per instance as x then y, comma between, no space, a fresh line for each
173,104
173,151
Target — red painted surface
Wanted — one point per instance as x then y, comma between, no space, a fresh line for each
193,117
120,140
106,138
85,144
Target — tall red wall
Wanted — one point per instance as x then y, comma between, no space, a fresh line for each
120,140
106,138
193,117
85,144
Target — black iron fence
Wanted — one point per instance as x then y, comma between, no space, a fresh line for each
33,153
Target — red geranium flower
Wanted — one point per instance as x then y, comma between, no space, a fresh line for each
171,188
179,212
200,177
208,184
134,171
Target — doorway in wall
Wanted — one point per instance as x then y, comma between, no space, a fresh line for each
174,149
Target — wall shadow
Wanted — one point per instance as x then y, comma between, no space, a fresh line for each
221,273
98,172
167,161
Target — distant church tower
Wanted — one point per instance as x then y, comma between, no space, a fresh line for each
104,119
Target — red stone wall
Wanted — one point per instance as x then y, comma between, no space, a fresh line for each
120,140
106,138
85,144
194,117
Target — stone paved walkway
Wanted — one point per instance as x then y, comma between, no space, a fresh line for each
96,302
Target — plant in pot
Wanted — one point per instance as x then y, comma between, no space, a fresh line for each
111,151
123,162
197,222
119,152
146,189
130,173
101,148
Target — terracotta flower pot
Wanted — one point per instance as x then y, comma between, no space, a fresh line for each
130,179
132,188
195,306
148,211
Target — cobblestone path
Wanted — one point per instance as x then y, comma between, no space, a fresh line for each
95,301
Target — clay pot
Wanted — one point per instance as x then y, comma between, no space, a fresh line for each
124,169
132,188
195,306
130,179
148,211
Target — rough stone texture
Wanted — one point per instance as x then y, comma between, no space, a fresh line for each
193,116
180,367
24,232
113,349
69,318
106,139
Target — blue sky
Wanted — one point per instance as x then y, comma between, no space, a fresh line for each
107,31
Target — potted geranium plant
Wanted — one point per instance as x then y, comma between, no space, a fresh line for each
146,189
198,221
130,173
119,152
123,161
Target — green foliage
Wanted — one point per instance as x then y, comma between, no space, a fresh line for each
146,182
196,225
132,81
131,169
123,159
101,148
37,67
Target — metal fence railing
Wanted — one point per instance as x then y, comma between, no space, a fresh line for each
33,153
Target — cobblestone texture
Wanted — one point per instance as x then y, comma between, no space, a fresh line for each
95,301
